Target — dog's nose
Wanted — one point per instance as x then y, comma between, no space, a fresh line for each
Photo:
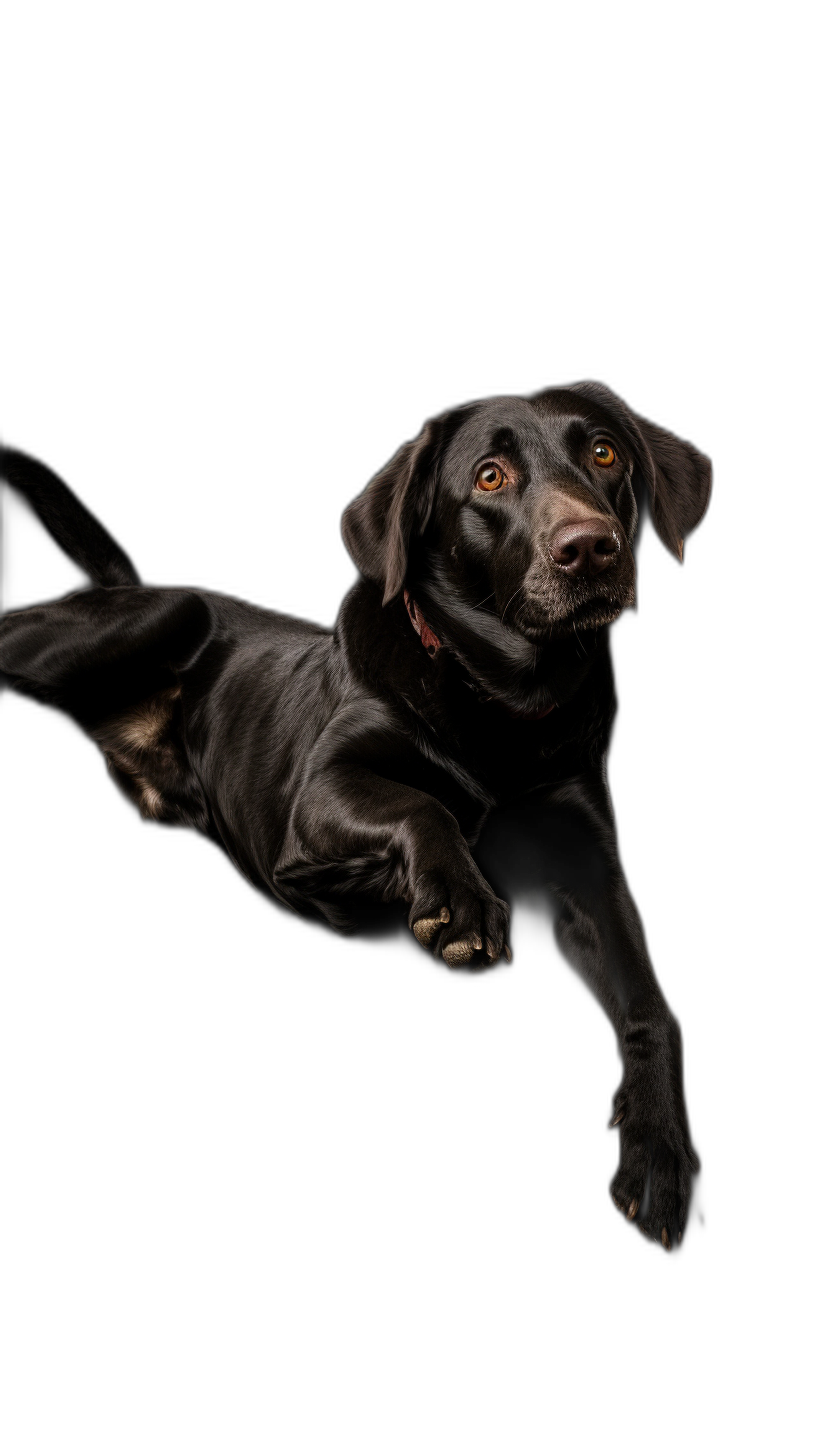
585,548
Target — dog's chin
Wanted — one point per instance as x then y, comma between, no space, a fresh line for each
539,620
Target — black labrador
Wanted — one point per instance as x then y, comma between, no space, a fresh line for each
469,669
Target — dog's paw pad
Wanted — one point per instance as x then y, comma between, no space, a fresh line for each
426,929
459,952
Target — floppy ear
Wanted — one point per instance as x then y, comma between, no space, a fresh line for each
678,478
677,475
395,506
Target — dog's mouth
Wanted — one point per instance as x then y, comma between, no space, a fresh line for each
540,616
555,602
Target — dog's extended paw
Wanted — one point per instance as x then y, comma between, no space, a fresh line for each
463,921
653,1184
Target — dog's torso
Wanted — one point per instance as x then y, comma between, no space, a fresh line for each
228,740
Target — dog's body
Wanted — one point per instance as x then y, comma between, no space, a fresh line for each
469,669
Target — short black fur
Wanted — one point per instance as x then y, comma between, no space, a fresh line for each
468,675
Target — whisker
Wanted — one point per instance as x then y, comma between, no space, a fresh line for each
513,597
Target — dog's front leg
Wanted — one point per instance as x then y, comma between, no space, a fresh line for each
601,932
354,833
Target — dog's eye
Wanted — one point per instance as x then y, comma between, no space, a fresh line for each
491,477
603,454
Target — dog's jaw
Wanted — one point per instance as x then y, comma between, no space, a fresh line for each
527,673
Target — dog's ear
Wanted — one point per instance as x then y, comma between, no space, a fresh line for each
678,481
394,507
677,475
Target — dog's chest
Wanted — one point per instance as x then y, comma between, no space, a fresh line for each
483,765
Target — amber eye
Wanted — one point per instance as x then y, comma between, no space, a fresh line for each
603,454
490,477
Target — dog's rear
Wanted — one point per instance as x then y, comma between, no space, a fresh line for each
106,655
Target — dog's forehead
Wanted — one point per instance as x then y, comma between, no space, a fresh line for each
557,407
501,425
534,427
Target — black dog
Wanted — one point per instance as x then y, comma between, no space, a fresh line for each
469,669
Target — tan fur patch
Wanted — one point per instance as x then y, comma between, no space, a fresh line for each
142,728
151,800
139,747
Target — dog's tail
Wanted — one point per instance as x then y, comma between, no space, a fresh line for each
81,535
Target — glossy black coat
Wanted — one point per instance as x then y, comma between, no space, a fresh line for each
357,766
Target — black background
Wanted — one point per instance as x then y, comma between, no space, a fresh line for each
216,1100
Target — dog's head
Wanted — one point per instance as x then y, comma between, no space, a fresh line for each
524,510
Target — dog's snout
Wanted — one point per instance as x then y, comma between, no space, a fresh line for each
585,548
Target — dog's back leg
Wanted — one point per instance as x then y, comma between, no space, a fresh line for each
112,659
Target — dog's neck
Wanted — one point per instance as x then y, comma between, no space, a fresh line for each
430,643
529,679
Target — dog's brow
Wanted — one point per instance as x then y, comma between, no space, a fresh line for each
505,441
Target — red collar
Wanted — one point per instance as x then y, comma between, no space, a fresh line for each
431,643
429,639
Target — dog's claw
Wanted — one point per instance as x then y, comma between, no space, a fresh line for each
508,952
426,929
617,1118
665,1240
632,1209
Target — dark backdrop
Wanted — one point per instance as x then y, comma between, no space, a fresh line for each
204,1082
